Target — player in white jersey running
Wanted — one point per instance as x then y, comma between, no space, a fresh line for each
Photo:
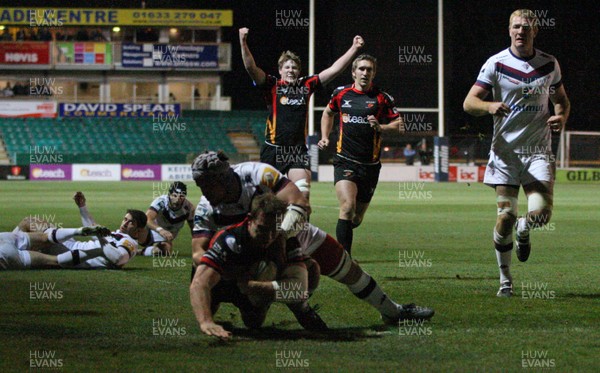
255,178
522,80
166,216
21,250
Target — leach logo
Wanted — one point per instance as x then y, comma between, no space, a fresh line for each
292,101
347,118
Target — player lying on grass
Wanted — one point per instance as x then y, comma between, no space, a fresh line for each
143,236
227,196
222,274
21,250
123,239
166,216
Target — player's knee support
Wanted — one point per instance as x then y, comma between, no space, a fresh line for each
507,206
538,202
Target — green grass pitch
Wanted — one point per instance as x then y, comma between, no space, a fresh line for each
432,247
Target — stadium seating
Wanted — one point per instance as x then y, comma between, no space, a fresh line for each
128,140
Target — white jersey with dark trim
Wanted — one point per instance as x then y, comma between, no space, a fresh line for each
256,178
116,239
169,219
525,86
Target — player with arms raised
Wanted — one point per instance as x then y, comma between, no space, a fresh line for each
287,100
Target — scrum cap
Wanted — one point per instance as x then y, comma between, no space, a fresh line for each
209,163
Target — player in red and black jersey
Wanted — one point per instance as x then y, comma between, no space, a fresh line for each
287,100
365,112
223,271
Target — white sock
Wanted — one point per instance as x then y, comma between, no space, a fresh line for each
522,227
367,289
58,235
504,258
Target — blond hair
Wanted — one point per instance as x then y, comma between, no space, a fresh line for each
287,56
527,14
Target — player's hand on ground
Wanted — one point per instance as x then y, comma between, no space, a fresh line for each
323,143
79,199
556,123
210,328
243,34
499,108
358,42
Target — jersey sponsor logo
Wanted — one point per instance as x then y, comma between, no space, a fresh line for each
347,118
346,103
526,108
232,244
348,173
292,101
129,246
269,177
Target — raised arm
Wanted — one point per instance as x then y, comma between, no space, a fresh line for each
338,66
86,218
256,73
475,105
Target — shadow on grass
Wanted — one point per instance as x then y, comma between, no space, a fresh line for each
456,277
272,333
584,296
52,313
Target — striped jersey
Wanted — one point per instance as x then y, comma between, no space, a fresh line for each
525,85
357,140
287,124
169,219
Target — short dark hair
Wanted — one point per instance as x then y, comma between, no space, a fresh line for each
268,204
138,217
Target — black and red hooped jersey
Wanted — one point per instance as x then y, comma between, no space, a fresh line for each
287,124
357,140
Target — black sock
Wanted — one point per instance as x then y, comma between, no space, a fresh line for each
344,234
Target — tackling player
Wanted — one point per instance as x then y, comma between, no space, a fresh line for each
522,80
287,100
227,195
363,109
166,216
232,199
230,255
